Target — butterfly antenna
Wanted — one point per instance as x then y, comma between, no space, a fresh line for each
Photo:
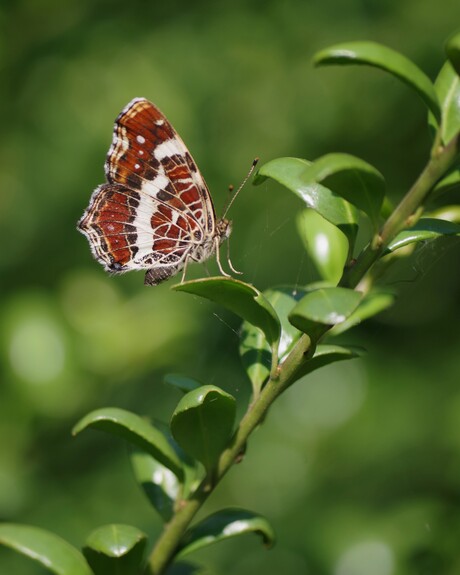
232,199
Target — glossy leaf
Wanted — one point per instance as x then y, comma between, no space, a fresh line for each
256,355
324,307
326,245
52,552
202,423
327,354
294,175
384,58
254,348
116,549
351,178
159,483
447,87
450,182
182,382
135,430
284,299
240,298
425,229
449,213
373,303
223,525
453,51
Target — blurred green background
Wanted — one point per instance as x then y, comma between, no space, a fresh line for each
358,467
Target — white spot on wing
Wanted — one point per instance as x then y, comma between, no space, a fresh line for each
154,186
143,228
168,148
140,139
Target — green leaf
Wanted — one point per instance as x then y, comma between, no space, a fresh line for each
116,549
159,483
293,174
387,208
384,58
450,182
182,382
450,213
351,178
453,51
135,430
223,525
240,298
326,245
202,423
326,354
447,87
48,549
254,348
324,307
283,299
425,229
373,303
256,355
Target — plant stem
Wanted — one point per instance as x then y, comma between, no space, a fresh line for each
406,213
258,410
168,541
282,376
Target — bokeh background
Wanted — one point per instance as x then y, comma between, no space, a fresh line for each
357,467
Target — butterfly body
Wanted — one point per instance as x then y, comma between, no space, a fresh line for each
155,212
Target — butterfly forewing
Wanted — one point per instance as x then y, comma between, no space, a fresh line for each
148,154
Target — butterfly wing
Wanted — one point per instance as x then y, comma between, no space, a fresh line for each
156,210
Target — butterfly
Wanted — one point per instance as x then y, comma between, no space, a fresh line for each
155,212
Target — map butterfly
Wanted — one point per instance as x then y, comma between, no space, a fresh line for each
155,212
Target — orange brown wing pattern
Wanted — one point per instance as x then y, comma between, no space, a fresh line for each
155,212
147,154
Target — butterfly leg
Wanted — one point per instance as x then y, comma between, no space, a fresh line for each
219,265
185,270
229,261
